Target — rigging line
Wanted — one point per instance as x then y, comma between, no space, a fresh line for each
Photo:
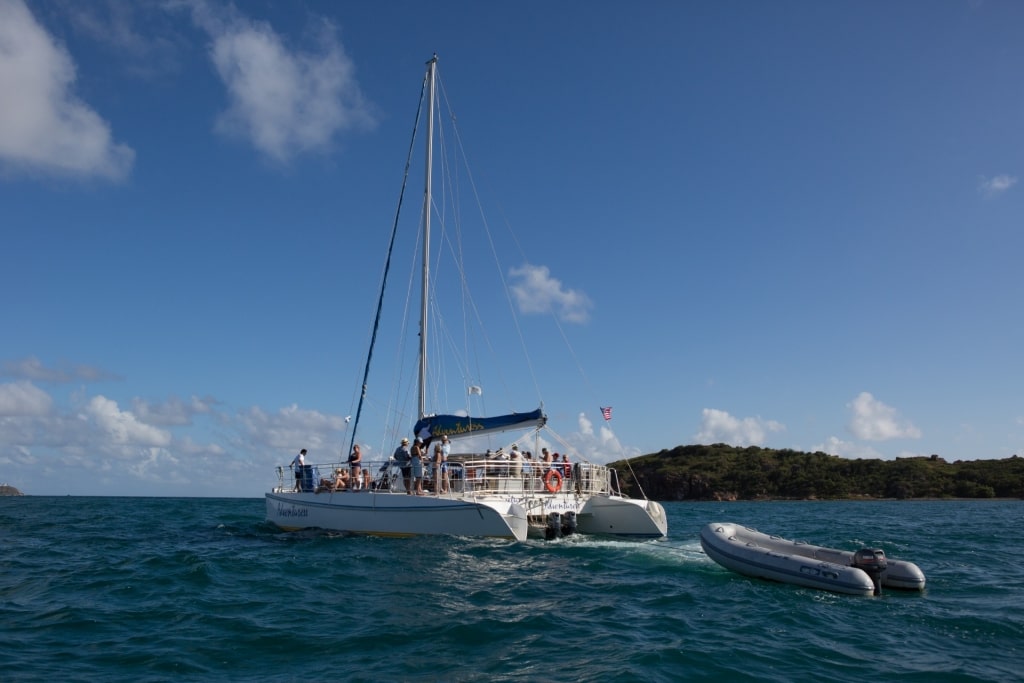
470,358
561,329
441,331
522,253
456,249
450,194
439,207
470,304
397,413
636,479
566,446
554,317
494,251
575,358
387,265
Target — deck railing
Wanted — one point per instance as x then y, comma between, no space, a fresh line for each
466,474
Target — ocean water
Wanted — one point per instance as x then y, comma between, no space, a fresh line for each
149,589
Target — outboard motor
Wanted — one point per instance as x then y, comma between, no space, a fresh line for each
568,523
554,528
872,562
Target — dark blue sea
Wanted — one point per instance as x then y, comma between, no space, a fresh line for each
157,589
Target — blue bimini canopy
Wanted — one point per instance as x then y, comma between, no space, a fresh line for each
456,426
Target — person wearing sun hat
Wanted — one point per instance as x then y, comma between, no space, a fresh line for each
517,462
402,458
503,456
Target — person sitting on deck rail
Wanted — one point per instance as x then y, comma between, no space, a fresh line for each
339,483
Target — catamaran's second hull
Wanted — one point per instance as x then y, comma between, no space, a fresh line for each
600,514
396,514
609,515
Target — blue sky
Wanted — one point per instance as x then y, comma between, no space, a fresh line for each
793,225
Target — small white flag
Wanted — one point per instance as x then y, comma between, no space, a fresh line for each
476,390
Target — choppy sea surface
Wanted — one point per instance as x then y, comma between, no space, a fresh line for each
160,589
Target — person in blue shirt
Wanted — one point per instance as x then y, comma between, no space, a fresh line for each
403,458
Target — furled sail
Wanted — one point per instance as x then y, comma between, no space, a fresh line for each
456,426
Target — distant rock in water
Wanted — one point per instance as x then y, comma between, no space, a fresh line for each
8,490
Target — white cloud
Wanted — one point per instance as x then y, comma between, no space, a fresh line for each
173,411
718,426
600,447
113,24
872,420
535,291
145,46
292,428
23,399
44,127
585,425
122,426
285,102
98,447
33,369
992,187
187,446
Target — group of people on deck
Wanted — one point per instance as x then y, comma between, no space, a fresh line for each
413,461
353,478
522,463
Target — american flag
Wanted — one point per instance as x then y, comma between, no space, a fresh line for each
607,412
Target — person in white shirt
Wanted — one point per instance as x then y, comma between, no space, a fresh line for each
298,464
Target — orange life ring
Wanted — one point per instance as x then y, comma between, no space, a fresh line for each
556,485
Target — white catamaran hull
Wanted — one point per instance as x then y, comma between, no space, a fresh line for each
390,514
624,517
753,553
384,513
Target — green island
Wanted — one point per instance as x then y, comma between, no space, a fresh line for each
724,472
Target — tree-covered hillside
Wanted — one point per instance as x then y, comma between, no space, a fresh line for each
723,472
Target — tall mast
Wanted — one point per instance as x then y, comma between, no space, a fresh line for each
431,90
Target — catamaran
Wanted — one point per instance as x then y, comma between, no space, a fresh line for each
477,492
